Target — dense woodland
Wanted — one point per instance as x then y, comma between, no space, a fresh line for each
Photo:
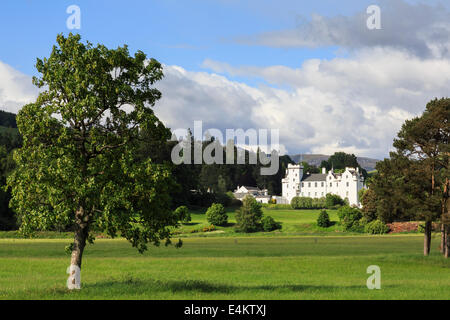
9,140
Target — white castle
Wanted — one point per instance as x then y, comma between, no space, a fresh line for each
317,185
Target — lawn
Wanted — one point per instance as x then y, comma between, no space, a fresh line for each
294,222
295,267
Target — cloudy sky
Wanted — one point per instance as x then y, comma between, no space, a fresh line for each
312,70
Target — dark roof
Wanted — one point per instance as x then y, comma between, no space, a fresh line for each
251,188
315,177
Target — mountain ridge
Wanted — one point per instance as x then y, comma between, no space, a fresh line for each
316,159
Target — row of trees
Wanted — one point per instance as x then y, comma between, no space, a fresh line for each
413,184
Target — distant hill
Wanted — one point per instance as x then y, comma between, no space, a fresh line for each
7,119
316,159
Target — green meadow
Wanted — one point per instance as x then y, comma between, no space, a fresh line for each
301,262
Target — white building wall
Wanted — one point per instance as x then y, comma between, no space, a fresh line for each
291,183
345,185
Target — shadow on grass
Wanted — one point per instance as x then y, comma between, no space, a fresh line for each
176,286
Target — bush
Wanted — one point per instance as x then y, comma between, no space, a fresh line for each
308,203
324,219
269,224
248,217
319,203
216,215
376,227
333,201
183,214
270,206
349,218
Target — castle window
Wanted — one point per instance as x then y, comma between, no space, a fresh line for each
309,184
315,184
331,184
303,184
315,194
348,184
337,184
322,184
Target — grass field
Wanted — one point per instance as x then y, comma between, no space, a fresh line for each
280,266
294,222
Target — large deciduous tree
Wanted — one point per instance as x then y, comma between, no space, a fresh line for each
80,164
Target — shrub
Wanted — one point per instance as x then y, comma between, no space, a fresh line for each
216,215
233,201
269,224
333,201
349,218
270,206
248,217
319,203
376,227
324,219
183,214
308,203
301,203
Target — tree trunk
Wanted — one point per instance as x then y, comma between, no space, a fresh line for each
79,242
443,238
427,238
447,241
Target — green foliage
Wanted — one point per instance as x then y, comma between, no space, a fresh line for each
413,183
276,206
376,227
7,119
369,204
333,201
340,160
349,218
269,224
308,203
78,164
183,214
216,215
248,217
301,203
324,219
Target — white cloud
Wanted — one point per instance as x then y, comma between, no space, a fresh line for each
16,89
357,104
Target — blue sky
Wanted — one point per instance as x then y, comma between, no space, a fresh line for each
311,69
175,32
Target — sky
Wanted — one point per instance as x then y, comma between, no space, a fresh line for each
311,69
